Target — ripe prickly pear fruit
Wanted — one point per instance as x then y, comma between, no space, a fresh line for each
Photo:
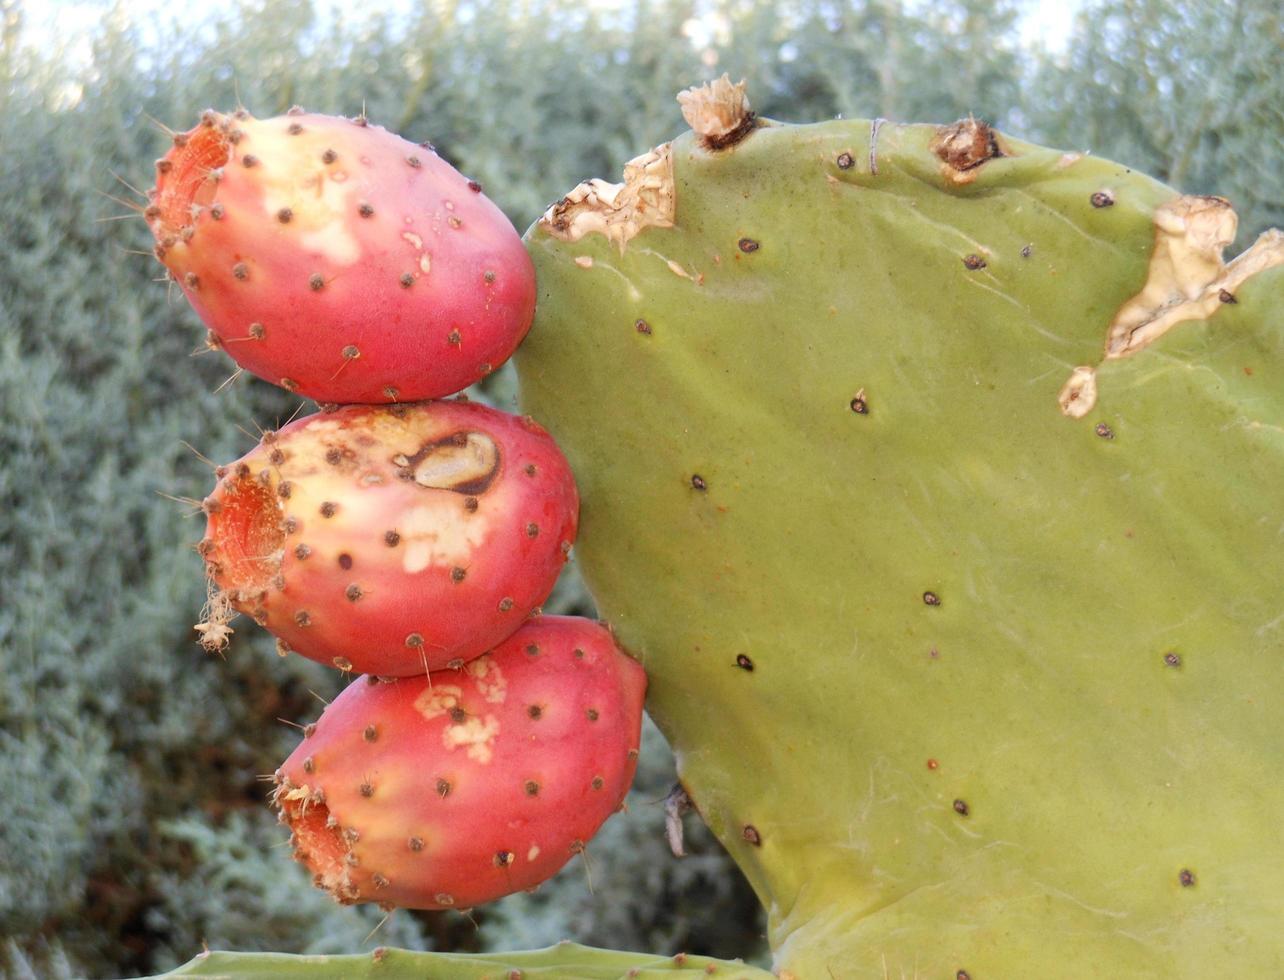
391,539
337,259
469,784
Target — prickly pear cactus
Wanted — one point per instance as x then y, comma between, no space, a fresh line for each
938,481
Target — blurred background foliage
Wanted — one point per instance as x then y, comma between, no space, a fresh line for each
132,819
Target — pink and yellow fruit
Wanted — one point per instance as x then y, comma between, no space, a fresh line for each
392,539
470,784
339,260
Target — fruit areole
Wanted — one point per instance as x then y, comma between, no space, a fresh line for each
937,479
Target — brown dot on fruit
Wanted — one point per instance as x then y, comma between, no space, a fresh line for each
642,327
241,271
697,482
474,187
532,530
256,331
294,129
748,245
414,161
845,161
367,790
1226,296
457,574
530,469
458,715
415,843
365,209
931,599
406,280
1102,199
391,539
973,262
301,618
743,662
470,504
370,733
353,592
505,604
343,663
316,281
532,649
345,561
535,712
309,765
328,508
1172,659
329,156
598,782
592,714
284,489
217,211
301,551
443,788
532,788
249,160
859,405
350,353
414,640
1186,877
961,808
503,858
284,215
193,280
1104,431
750,834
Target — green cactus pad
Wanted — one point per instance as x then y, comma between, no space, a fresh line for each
975,670
565,961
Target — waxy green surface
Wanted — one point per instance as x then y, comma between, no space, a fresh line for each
1068,559
565,961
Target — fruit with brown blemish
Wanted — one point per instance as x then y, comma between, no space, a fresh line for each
523,789
339,260
405,541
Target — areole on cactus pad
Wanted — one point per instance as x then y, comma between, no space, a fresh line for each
938,479
338,260
390,539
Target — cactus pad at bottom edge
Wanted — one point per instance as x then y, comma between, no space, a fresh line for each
564,961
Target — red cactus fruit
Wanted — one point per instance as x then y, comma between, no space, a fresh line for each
339,260
470,784
391,539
